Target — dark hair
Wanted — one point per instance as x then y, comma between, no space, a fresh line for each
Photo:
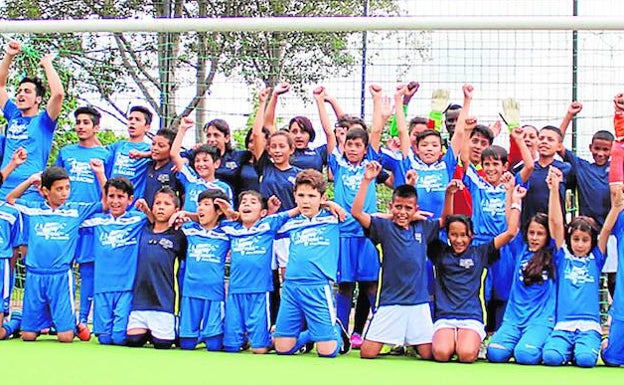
221,126
453,107
265,131
553,129
427,133
167,133
168,191
211,151
312,178
285,134
91,111
120,183
484,131
461,219
541,261
349,120
585,224
51,175
603,135
305,124
145,111
416,121
494,152
357,133
254,193
405,191
213,193
40,89
531,126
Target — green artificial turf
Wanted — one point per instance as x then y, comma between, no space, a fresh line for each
47,362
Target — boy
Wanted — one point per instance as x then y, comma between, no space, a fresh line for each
124,159
75,159
251,279
203,295
160,170
403,315
312,267
153,293
52,238
114,246
27,127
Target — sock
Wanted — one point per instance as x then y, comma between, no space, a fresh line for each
137,340
187,343
161,344
214,343
343,307
13,325
372,298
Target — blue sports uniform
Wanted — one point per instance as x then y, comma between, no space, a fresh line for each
203,296
119,163
530,313
158,178
250,282
592,184
10,230
229,169
52,241
613,354
249,179
314,158
577,334
274,181
194,185
115,248
33,134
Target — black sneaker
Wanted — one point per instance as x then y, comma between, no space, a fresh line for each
346,338
307,348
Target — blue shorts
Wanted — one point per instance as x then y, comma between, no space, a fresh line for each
201,318
7,280
613,353
247,314
310,303
49,299
358,260
110,313
510,340
573,346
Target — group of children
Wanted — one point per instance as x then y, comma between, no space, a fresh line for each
153,227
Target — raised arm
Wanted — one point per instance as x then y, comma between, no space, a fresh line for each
357,209
527,158
381,113
56,86
18,158
97,166
11,50
401,93
460,135
185,124
467,126
34,179
269,113
333,102
573,110
453,187
256,131
555,216
617,204
513,219
319,97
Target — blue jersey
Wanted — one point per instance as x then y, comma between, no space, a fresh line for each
536,200
347,179
159,178
578,285
115,246
249,178
53,234
617,307
251,254
75,160
532,304
33,134
458,280
204,275
10,230
403,278
120,164
194,185
314,246
280,183
310,158
229,169
154,283
592,184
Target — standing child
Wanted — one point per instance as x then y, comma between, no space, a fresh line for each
160,170
153,303
579,259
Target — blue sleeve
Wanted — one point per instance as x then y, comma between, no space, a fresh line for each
600,258
322,152
559,255
472,180
87,210
47,122
431,229
184,175
59,159
371,154
350,227
390,160
10,110
16,230
332,161
376,230
278,220
451,163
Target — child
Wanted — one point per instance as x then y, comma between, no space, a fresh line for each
123,159
75,159
312,266
115,245
579,259
52,238
403,316
458,327
200,175
251,281
160,170
153,294
203,295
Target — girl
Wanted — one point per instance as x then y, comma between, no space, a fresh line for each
579,259
458,327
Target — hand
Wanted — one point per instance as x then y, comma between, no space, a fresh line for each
263,95
19,156
399,94
13,48
273,204
186,123
496,128
135,154
518,134
375,90
282,88
618,101
508,180
336,210
223,204
574,108
393,144
518,194
454,186
141,205
97,166
554,177
439,100
467,89
421,215
386,107
178,218
511,111
372,170
471,123
35,179
319,94
46,60
411,177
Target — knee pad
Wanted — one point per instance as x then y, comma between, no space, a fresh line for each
214,344
105,339
527,357
552,357
498,354
137,340
187,343
586,359
161,344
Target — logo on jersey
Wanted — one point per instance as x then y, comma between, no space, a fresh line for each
204,252
116,238
80,171
311,237
17,131
124,165
494,206
247,247
430,182
231,165
418,237
578,275
466,263
165,243
51,231
163,179
352,182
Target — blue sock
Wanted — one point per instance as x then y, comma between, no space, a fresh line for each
214,343
187,343
13,325
304,338
372,299
343,308
105,339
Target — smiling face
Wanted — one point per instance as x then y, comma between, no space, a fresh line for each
600,150
537,236
160,148
205,166
403,210
477,144
280,150
84,127
459,236
216,138
58,192
549,143
26,98
493,170
308,200
250,209
117,201
429,149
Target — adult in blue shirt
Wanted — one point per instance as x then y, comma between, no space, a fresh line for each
27,127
